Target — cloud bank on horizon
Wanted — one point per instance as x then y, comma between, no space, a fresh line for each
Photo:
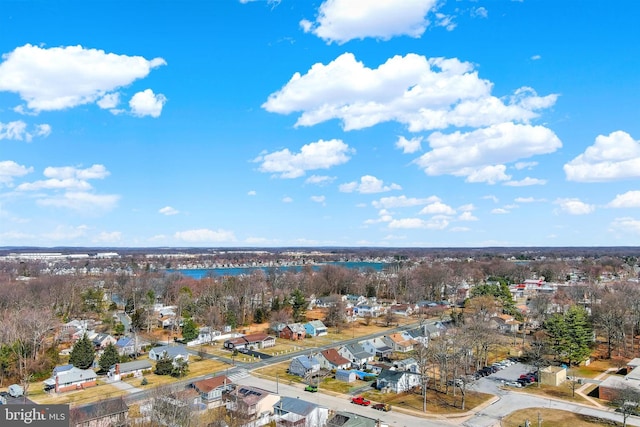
387,123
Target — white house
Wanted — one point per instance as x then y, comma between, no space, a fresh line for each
174,352
397,381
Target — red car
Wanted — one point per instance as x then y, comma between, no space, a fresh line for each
360,401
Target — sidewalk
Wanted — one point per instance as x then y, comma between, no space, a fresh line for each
580,391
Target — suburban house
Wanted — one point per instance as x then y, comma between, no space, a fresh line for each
399,343
397,381
126,346
166,321
409,364
257,341
404,310
251,401
304,365
74,329
293,331
100,341
331,359
349,419
315,328
368,310
136,368
505,323
174,352
211,389
111,412
68,379
290,412
378,348
356,354
206,335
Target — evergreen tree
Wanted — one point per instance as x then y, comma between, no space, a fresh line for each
180,368
570,335
298,305
189,330
164,366
109,358
83,353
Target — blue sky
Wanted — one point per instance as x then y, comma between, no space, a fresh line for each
402,123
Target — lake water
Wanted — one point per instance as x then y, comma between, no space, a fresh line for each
199,273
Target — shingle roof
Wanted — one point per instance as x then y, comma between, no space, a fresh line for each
296,406
205,386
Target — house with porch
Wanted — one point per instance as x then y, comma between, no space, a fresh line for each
135,368
331,359
356,354
304,365
397,381
211,389
293,331
258,340
378,348
399,342
290,412
174,352
68,379
254,402
315,328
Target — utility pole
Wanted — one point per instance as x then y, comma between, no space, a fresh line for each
277,384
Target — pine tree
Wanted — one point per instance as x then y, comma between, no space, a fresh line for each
189,330
83,353
109,357
298,305
164,366
570,334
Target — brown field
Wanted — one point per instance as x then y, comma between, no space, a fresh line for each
92,394
563,391
553,418
437,402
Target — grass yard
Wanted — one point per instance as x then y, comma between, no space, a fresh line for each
92,394
563,391
437,403
553,418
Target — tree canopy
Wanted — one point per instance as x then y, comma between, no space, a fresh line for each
83,353
570,335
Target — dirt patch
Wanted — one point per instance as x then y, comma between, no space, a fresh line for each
553,417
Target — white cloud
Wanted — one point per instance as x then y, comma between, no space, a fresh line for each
287,199
536,57
489,174
445,21
10,170
17,130
403,202
437,208
65,77
499,211
574,206
610,158
168,210
467,207
318,199
467,216
252,193
527,200
383,216
422,93
343,20
526,182
320,179
316,155
66,177
409,146
525,165
630,199
409,223
480,12
479,155
66,233
147,103
109,101
368,185
204,235
81,201
626,225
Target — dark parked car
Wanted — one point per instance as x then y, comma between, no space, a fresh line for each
382,407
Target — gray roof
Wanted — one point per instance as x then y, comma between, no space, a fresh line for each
135,365
307,362
358,351
317,324
75,375
348,419
295,406
171,350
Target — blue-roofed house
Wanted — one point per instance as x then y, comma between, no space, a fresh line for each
298,412
303,365
126,346
315,328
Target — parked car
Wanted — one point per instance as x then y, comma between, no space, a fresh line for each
382,407
360,401
311,388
